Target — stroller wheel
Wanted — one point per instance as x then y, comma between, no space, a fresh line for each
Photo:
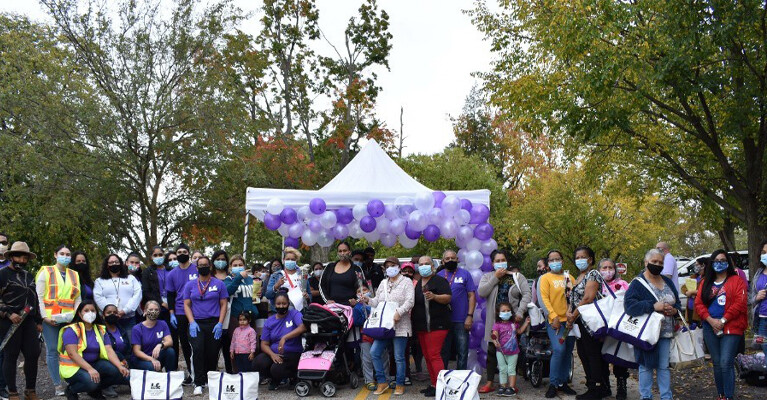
572,365
536,373
354,381
302,389
328,389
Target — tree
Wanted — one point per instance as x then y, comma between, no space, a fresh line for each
680,86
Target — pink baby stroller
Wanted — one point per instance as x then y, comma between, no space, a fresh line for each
320,365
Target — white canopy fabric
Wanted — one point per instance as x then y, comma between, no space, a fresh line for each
371,174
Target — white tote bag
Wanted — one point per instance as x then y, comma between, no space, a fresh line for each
596,315
295,294
457,385
619,353
642,331
223,386
380,322
150,385
537,320
686,347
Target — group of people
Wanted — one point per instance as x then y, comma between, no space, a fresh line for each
186,303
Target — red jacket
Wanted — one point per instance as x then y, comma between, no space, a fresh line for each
735,306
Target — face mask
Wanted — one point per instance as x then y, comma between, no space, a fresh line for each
263,276
505,315
158,260
152,315
763,259
555,266
81,267
655,269
183,258
237,270
451,265
173,263
3,249
281,310
89,317
357,263
500,265
607,274
720,266
132,268
115,268
363,295
63,260
220,264
291,265
392,271
582,264
19,265
318,273
112,319
204,271
541,272
345,257
424,270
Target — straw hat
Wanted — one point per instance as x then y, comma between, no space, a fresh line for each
19,248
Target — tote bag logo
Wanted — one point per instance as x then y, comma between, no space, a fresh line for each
631,324
156,390
230,389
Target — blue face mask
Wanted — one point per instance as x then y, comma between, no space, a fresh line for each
237,270
173,263
763,259
424,270
357,263
505,315
555,266
220,264
291,265
63,260
720,266
500,265
582,264
158,260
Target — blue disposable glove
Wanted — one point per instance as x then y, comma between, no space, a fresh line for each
173,321
194,329
218,330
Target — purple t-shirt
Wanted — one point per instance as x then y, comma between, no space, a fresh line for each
275,328
761,283
119,344
461,284
205,304
149,338
175,281
91,352
507,337
161,278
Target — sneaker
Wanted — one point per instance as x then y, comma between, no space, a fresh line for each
551,392
187,381
512,391
501,392
109,392
197,391
431,391
567,390
264,381
408,382
61,390
4,393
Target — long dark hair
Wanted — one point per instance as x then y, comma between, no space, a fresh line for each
98,321
85,276
710,276
105,268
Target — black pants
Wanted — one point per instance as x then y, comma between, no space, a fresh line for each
205,350
243,363
590,352
277,372
182,334
492,362
24,341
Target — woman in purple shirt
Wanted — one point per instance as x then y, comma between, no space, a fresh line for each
152,343
281,343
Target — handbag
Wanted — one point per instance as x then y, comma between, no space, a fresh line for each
295,294
537,320
380,322
223,386
642,331
686,347
150,385
595,315
619,353
457,385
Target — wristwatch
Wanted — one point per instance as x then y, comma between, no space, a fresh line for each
723,321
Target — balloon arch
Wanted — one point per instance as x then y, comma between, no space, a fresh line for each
374,199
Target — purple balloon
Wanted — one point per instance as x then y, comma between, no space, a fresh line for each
368,224
431,233
291,242
344,215
466,204
315,225
479,214
477,329
376,208
487,264
465,234
438,197
475,342
288,216
483,313
340,232
317,206
272,222
482,358
412,233
483,231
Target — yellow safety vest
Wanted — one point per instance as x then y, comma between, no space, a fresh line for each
60,293
67,367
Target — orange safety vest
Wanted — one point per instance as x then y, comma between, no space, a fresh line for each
60,292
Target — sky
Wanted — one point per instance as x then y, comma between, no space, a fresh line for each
435,51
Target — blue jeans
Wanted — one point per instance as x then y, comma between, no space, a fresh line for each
167,359
379,346
664,375
460,335
762,330
722,349
81,382
51,338
561,357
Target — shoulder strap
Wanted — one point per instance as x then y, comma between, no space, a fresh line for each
647,286
514,277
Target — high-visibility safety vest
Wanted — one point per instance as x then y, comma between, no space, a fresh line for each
60,292
67,367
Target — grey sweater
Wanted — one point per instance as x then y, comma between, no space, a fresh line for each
519,297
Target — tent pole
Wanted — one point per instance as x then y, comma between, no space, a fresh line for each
245,241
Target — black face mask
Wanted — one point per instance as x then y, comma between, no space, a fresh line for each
112,319
204,271
115,268
80,267
19,265
655,269
541,272
451,265
183,258
281,310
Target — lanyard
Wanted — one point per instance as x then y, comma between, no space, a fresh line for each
290,281
452,278
202,288
117,290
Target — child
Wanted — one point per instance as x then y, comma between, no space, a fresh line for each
243,348
504,337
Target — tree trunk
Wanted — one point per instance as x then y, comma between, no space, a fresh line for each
756,234
320,254
727,234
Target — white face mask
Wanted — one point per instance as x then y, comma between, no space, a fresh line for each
89,316
3,249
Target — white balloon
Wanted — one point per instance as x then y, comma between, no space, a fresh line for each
325,239
464,216
397,226
283,230
274,206
372,236
462,255
488,246
436,216
354,230
474,259
296,230
382,225
407,242
450,205
448,229
328,219
404,206
417,220
309,238
474,245
424,201
391,211
388,239
359,211
303,214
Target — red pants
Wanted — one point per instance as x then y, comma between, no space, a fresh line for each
431,346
